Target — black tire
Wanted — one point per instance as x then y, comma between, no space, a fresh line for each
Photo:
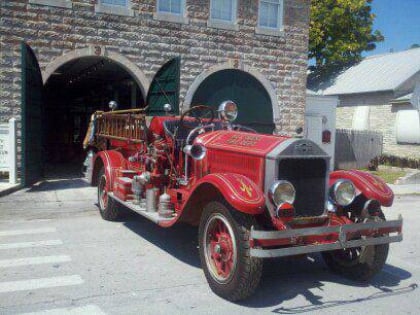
108,207
245,271
351,264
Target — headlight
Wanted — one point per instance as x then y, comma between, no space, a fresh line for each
282,191
228,111
343,192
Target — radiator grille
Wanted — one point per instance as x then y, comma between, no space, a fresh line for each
308,176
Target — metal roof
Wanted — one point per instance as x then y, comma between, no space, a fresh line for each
377,73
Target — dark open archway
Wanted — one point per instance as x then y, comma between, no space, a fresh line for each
71,94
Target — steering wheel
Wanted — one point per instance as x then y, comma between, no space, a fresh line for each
199,113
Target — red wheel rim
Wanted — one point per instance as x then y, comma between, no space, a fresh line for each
103,193
220,248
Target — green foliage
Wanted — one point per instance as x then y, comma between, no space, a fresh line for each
340,30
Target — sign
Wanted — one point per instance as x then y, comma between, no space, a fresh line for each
4,147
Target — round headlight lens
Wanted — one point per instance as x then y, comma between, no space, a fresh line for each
282,191
228,110
343,192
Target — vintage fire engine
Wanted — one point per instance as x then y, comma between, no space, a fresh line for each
252,195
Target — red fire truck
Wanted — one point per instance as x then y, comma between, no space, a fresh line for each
252,195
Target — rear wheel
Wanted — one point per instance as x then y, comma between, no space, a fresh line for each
225,253
358,263
108,207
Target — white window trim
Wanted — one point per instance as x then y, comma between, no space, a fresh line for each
172,17
232,24
54,3
272,31
114,9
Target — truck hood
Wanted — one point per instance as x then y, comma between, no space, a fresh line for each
241,142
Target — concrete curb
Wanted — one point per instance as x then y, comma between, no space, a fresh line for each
407,189
9,190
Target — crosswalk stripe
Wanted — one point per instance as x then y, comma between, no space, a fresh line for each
83,310
41,283
4,263
27,231
31,244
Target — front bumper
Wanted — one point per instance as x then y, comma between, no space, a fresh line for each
340,234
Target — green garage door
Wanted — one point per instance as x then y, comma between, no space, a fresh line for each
255,109
164,89
32,134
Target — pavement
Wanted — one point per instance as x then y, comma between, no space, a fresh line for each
57,256
7,188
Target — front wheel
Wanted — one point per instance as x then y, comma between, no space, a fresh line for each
225,253
358,263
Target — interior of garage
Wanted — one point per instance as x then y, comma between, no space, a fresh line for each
71,94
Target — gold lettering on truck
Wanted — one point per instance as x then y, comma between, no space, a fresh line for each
244,140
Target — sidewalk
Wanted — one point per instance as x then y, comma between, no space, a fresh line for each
406,189
6,188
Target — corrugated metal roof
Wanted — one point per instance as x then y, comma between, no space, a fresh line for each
377,73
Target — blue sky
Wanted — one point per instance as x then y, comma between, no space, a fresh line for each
399,22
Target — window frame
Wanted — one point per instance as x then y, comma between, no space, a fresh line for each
116,9
233,17
54,3
267,30
172,16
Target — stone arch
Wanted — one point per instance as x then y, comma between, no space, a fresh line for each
99,51
234,65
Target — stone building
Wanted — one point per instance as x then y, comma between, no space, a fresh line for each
147,52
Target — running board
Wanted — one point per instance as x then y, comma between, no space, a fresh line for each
152,216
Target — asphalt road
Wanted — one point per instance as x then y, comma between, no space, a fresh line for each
57,256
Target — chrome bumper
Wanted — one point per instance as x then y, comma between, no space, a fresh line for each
393,227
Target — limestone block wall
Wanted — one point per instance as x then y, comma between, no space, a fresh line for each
149,42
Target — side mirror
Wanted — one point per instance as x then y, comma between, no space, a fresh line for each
228,111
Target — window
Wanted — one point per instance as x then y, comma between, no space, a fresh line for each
119,7
270,14
171,11
223,10
53,3
115,2
171,6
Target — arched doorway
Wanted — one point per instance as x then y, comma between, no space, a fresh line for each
72,92
253,100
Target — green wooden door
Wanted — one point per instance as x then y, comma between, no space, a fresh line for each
254,103
31,110
164,89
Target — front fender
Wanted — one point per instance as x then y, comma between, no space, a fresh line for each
369,185
111,160
238,190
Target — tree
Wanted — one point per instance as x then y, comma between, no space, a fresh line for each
340,30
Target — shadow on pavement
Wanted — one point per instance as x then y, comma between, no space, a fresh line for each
180,241
58,184
283,279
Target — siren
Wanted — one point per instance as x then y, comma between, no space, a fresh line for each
196,151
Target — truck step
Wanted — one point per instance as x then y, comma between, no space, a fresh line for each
152,216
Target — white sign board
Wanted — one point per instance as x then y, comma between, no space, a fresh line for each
4,148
